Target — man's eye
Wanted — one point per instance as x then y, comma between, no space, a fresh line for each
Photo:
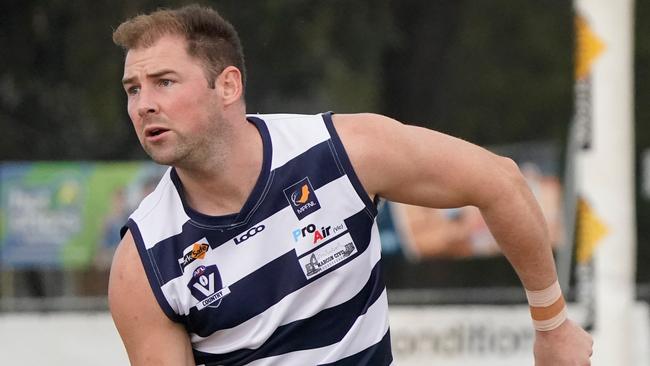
165,82
133,90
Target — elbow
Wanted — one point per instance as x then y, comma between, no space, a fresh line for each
510,170
514,181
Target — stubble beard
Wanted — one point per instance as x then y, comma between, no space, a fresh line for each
173,155
207,149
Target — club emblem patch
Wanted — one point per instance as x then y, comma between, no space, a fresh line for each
302,198
206,287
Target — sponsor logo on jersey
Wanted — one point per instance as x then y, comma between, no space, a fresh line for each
327,256
302,198
249,234
205,285
314,234
193,252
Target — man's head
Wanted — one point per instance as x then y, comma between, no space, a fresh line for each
210,38
181,119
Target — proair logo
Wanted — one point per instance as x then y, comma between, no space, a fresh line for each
302,198
193,252
314,234
206,287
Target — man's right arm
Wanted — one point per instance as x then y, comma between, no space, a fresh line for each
149,336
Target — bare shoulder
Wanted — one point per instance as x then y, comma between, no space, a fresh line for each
417,165
381,150
364,126
127,273
361,134
359,131
149,336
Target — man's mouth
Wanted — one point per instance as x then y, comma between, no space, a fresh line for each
153,132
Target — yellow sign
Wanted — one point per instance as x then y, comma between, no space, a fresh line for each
588,47
589,232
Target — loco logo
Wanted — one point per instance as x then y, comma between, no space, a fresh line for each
193,252
302,198
205,285
248,234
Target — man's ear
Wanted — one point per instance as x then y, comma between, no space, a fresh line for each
229,85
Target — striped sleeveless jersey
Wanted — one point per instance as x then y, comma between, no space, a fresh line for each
294,278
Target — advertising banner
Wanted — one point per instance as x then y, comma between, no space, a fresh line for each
67,214
488,335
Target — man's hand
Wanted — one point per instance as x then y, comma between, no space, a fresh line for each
566,345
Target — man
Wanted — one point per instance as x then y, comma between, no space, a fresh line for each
259,245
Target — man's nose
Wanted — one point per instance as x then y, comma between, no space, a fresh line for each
147,104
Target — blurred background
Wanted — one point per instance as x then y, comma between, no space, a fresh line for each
498,73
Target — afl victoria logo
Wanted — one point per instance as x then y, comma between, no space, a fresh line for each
206,286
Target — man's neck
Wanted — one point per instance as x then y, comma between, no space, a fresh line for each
223,185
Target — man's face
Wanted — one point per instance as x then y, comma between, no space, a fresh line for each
174,112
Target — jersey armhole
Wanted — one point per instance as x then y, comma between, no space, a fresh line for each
344,161
151,271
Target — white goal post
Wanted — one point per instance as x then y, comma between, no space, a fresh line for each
605,176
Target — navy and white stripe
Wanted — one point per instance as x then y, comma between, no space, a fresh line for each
290,296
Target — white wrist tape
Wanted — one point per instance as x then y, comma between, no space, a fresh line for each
547,307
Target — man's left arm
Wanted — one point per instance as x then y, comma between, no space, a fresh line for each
422,167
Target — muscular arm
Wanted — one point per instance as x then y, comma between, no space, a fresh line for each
422,167
149,336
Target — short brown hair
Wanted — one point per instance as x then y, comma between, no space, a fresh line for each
210,38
